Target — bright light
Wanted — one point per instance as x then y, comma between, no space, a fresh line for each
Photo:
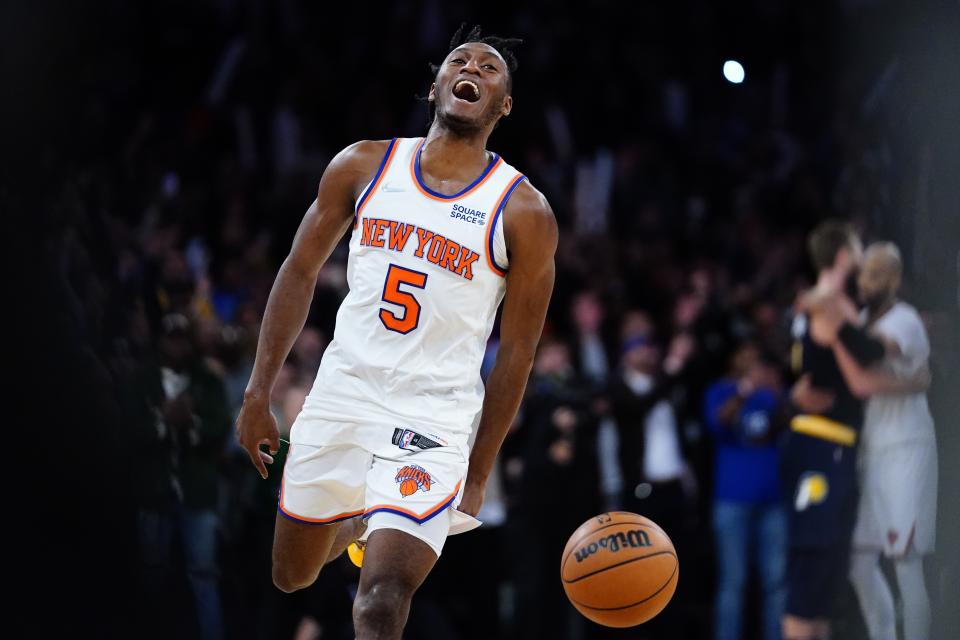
733,71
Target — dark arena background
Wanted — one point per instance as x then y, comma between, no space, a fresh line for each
159,156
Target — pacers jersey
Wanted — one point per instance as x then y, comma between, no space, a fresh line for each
426,275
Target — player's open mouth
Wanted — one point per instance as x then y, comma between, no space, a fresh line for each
467,90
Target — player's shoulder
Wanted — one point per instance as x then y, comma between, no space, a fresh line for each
363,153
528,206
355,165
903,314
528,215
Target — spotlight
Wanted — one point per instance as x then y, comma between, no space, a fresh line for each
733,71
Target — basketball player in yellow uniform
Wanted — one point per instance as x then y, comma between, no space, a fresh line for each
441,230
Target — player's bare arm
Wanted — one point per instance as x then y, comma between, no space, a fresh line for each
325,222
530,231
867,381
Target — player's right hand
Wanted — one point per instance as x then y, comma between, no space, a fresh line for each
256,426
809,399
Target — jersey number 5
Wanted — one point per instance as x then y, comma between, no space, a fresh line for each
410,319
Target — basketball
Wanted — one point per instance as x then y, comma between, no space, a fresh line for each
619,569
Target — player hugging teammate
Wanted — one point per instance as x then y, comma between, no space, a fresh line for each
819,463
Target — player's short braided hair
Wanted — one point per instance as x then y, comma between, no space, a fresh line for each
506,47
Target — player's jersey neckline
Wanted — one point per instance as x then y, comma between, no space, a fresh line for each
430,193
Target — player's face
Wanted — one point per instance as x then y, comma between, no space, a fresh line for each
876,281
470,90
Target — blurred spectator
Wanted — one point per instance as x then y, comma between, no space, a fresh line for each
551,471
742,412
658,481
179,412
655,472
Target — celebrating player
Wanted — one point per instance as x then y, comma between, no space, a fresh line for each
898,454
441,231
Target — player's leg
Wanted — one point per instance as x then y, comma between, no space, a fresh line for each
300,549
350,530
913,592
873,592
812,575
395,565
409,495
322,487
911,498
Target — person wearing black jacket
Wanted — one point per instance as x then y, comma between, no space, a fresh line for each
178,410
651,456
657,481
551,477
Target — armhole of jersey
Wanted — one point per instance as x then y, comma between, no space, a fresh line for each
496,253
367,193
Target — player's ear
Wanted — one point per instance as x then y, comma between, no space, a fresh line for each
507,105
432,95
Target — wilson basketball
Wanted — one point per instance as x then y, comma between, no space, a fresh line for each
619,569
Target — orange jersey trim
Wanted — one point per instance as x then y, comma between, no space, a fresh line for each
330,520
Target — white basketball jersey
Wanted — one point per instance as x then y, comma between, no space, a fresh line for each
426,275
892,419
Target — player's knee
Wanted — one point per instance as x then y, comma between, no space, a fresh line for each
288,580
383,600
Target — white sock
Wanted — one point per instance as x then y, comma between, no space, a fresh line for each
873,592
913,592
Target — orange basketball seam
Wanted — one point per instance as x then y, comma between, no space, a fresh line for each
628,606
620,564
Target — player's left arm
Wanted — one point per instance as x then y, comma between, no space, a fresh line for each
865,382
530,231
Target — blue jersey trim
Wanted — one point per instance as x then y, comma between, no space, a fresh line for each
416,173
438,511
496,216
373,183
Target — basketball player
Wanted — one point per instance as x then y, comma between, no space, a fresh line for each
441,230
818,459
898,455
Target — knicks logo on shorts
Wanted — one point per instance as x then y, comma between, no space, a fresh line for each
811,490
411,478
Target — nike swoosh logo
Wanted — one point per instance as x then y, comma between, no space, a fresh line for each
391,189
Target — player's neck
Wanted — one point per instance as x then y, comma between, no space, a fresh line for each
447,155
831,280
874,313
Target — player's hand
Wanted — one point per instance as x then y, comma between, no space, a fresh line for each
920,380
256,426
809,399
472,499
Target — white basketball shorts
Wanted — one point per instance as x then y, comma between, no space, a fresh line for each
898,499
394,476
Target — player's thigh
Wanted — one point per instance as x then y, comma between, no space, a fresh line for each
397,561
321,487
300,549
